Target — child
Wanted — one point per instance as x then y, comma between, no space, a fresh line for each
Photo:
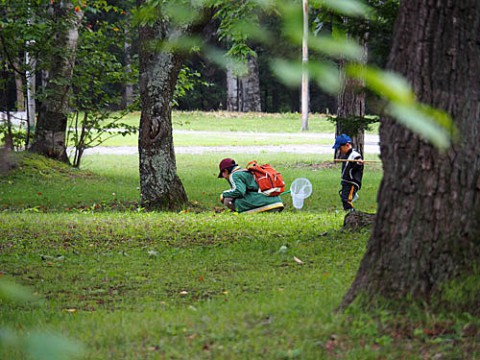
352,171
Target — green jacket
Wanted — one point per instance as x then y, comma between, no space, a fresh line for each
244,190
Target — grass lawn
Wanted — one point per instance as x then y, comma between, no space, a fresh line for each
226,128
122,283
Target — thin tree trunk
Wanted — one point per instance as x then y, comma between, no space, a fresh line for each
52,115
427,228
20,102
127,96
160,185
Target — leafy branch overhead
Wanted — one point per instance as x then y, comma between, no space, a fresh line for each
240,25
352,124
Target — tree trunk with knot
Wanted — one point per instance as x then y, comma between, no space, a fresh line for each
161,188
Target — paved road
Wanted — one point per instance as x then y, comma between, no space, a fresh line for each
371,145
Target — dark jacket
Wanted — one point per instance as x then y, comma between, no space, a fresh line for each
352,172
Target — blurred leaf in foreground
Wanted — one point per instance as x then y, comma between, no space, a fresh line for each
433,125
14,292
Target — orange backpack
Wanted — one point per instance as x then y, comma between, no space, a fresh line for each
269,180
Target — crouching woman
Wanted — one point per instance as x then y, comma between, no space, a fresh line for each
244,195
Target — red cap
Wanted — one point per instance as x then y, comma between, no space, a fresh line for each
225,164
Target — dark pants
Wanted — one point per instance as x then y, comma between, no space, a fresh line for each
347,194
229,203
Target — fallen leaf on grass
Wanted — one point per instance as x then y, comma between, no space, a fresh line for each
298,261
470,330
330,345
152,253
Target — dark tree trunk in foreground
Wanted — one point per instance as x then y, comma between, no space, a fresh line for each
427,230
51,126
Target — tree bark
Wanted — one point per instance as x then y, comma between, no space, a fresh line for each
52,115
161,188
20,101
243,92
234,92
127,95
251,87
427,229
351,103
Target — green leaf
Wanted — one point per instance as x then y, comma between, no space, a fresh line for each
339,47
387,84
45,346
325,74
351,8
181,13
289,72
14,292
252,30
432,125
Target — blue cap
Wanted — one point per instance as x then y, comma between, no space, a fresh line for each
341,140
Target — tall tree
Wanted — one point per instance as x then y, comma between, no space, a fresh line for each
160,185
427,232
52,114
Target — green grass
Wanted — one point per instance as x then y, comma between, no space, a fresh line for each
200,283
237,129
111,182
218,138
184,285
241,122
203,286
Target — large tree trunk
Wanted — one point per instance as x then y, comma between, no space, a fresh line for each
160,185
243,92
427,229
51,126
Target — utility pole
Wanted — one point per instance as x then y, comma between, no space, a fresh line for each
305,80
